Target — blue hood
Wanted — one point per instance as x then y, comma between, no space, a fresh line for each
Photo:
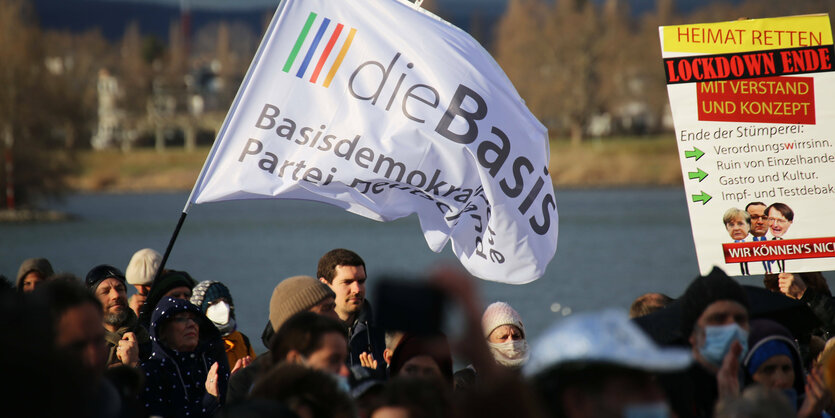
168,307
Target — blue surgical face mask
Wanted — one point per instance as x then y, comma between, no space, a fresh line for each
718,339
647,410
341,383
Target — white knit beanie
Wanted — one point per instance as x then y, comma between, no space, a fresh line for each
143,266
498,314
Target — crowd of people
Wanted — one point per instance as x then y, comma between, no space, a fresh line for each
81,348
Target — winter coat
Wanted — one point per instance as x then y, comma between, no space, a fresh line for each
237,347
365,335
175,381
242,381
112,339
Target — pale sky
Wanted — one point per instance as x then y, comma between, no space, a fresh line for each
247,4
210,4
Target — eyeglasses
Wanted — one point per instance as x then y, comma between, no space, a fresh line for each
778,221
182,319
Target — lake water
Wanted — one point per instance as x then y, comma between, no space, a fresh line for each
614,245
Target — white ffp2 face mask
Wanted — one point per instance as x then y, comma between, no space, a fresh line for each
218,313
511,353
221,315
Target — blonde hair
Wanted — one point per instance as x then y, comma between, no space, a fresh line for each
734,213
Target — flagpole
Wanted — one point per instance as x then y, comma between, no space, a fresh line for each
170,245
184,213
145,312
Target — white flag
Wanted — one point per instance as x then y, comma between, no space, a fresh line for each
385,111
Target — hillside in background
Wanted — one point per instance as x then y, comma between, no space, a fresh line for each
647,161
112,16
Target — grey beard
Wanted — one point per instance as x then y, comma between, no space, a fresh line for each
116,319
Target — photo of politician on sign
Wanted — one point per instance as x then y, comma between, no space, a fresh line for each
738,223
769,247
780,218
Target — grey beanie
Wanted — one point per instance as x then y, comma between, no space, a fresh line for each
296,294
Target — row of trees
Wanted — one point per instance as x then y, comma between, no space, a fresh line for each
580,61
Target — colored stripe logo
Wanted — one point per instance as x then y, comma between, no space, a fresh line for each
309,55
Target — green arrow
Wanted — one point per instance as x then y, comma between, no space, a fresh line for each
698,174
704,198
696,153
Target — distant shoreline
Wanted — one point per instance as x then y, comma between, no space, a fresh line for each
618,162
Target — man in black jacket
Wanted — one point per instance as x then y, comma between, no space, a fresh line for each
714,319
125,338
344,272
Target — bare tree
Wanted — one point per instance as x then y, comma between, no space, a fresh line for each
33,110
73,62
519,49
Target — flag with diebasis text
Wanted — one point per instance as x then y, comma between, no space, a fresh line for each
386,110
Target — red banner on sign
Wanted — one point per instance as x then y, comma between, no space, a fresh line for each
761,100
786,249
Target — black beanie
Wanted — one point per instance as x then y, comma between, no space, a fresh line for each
705,290
101,272
169,280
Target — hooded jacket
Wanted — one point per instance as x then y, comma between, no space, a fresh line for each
237,344
41,265
175,381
